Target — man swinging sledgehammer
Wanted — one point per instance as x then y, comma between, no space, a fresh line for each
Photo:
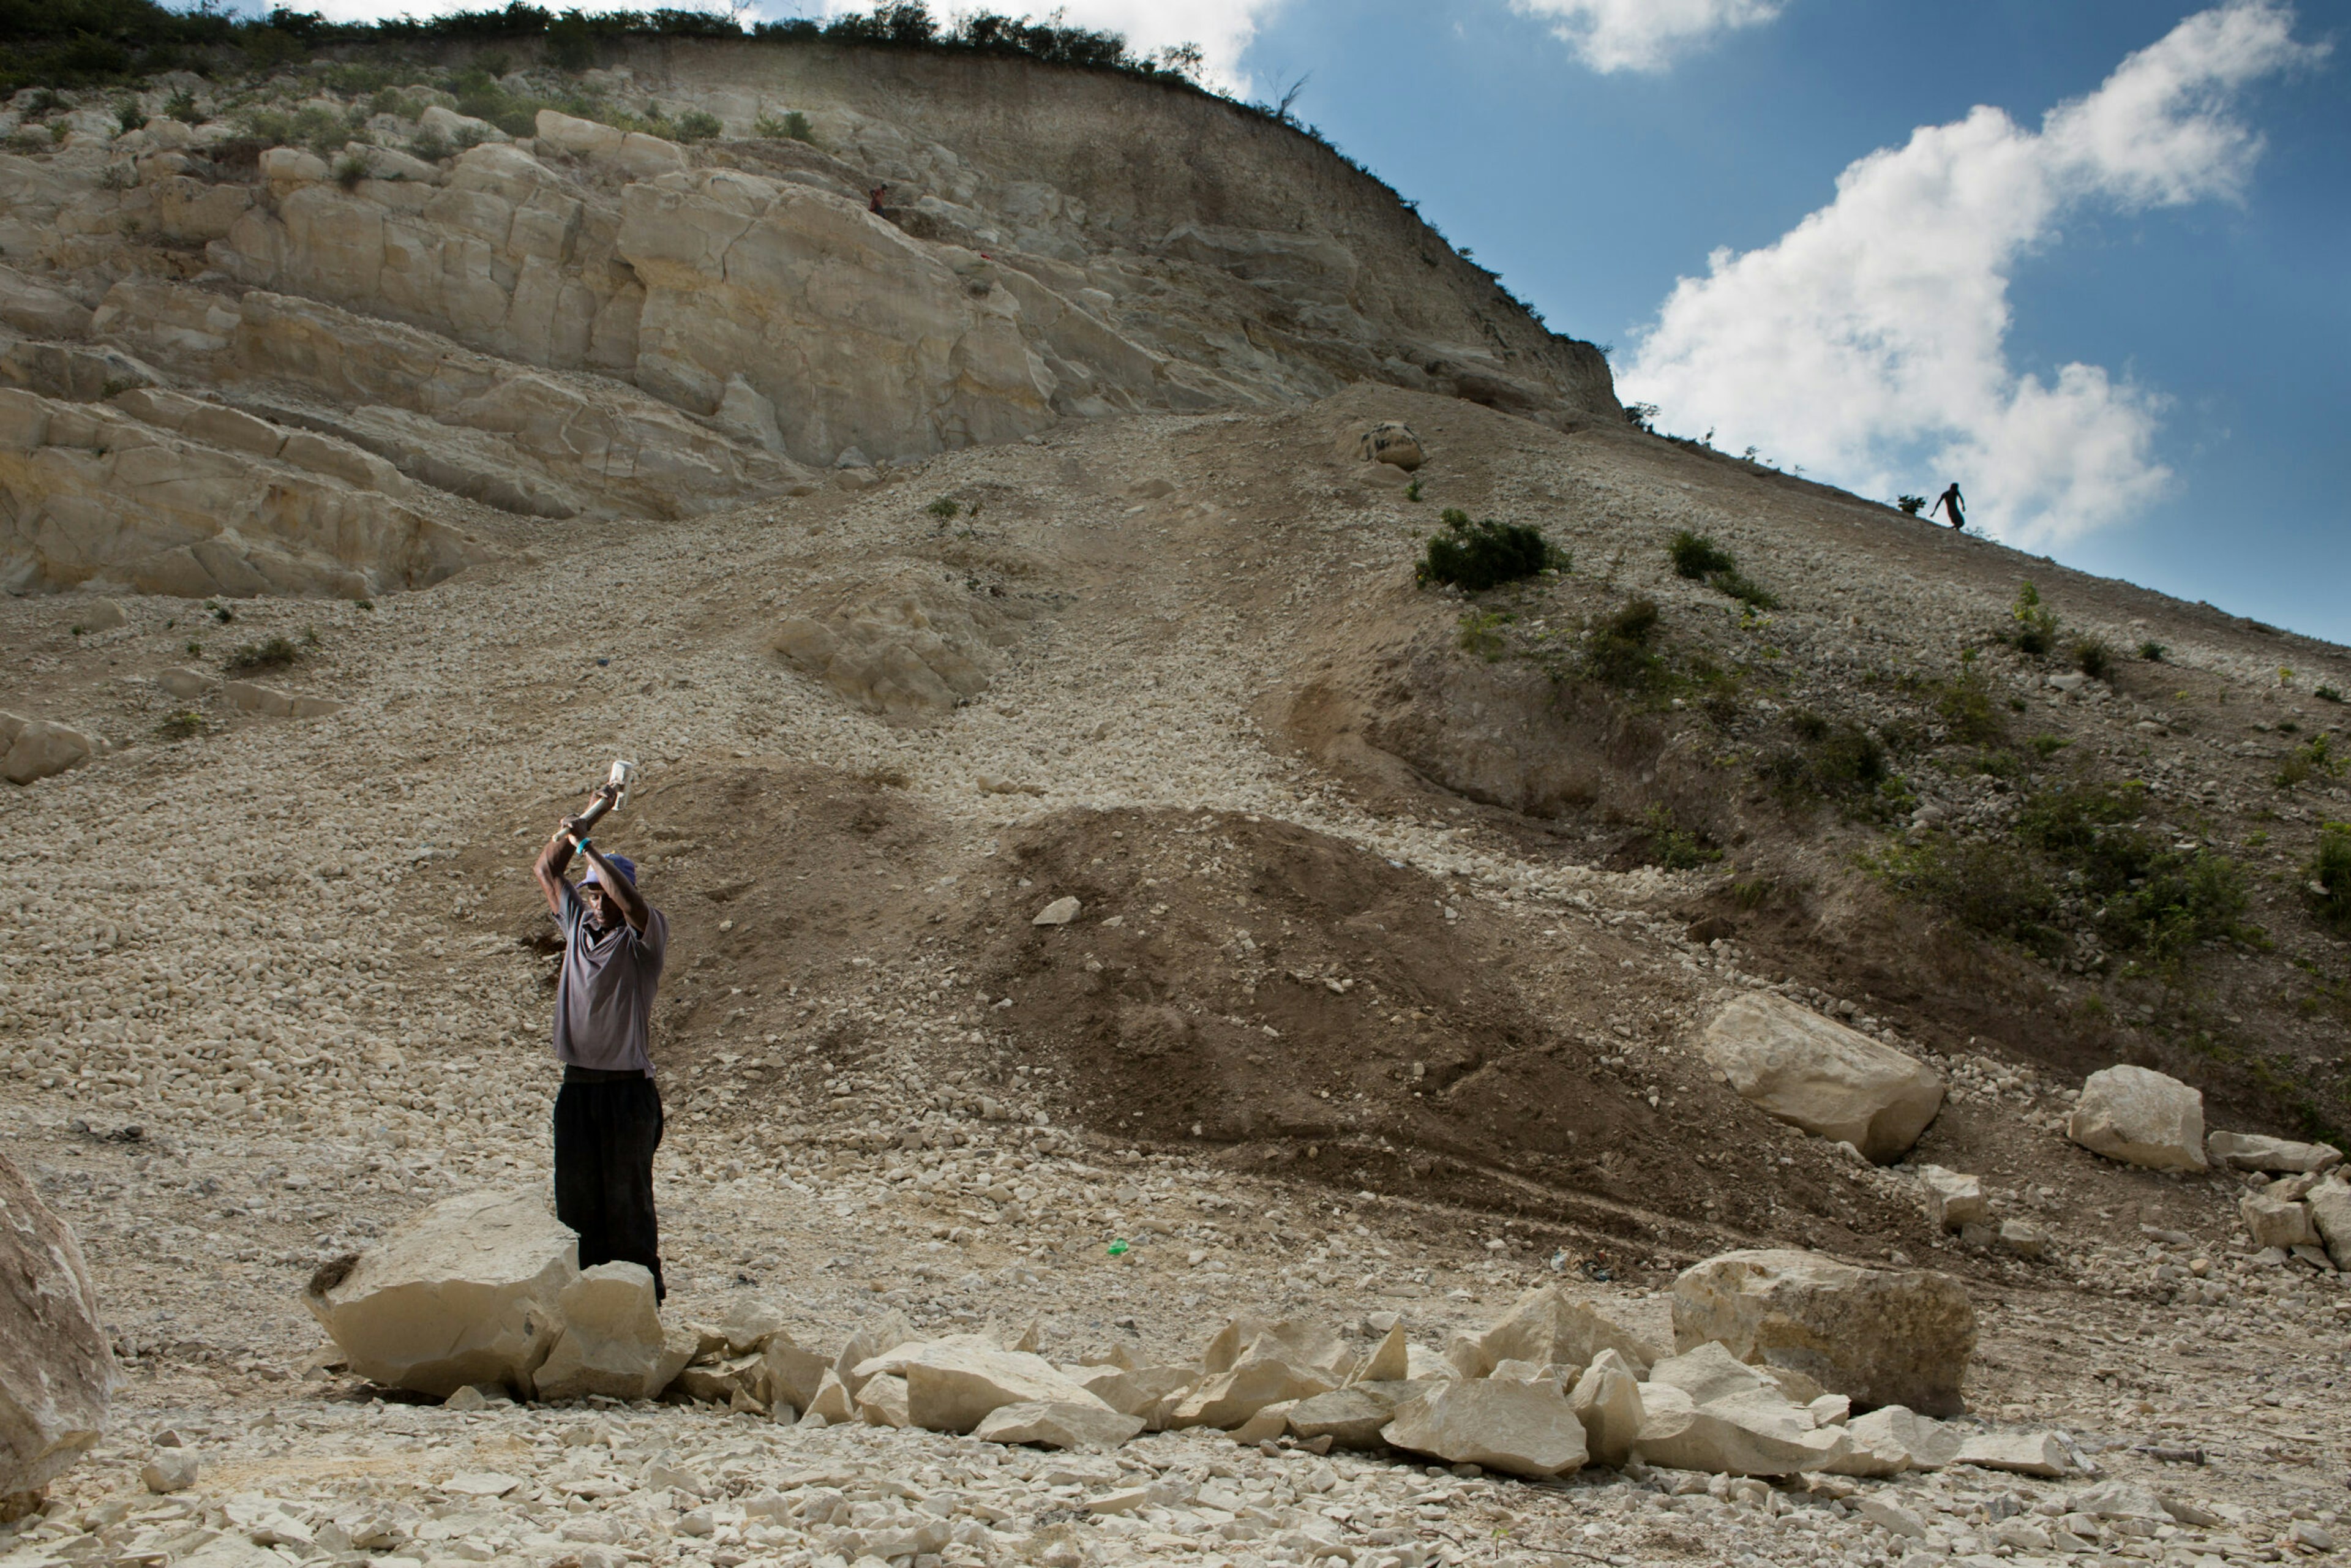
608,1114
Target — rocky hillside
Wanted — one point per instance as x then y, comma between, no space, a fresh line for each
1115,897
393,315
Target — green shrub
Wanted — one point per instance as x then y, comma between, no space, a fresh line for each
2034,631
275,654
792,126
1697,557
1412,491
2327,694
1985,884
1481,633
185,724
1675,847
2315,757
1617,653
1477,556
698,125
2094,658
1831,760
430,146
1911,505
1966,708
128,116
350,169
2045,747
943,508
2329,883
2152,652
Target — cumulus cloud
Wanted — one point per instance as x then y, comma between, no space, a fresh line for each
1869,342
1643,35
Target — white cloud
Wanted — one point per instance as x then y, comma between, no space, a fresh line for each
1869,342
1644,34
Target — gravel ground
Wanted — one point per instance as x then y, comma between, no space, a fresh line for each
296,956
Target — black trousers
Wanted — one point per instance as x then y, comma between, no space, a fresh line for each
605,1135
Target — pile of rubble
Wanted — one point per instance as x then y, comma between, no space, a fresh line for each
479,1298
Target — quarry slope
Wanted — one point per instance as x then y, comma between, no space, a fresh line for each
1401,913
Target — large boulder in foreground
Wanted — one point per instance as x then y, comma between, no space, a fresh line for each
57,1369
1880,1336
611,1341
1520,1429
1821,1076
2140,1117
464,1293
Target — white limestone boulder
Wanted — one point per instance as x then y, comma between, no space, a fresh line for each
1353,1417
2277,1156
1753,1435
2330,1211
465,1292
1880,1336
1549,1327
2020,1453
953,1385
37,749
612,1341
1954,1201
1057,1425
1892,1438
1607,1400
1821,1076
57,1372
2140,1117
1520,1429
2275,1222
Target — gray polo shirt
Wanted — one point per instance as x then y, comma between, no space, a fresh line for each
604,994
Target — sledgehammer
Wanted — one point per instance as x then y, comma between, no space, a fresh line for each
607,799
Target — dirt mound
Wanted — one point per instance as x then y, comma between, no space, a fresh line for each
1303,1002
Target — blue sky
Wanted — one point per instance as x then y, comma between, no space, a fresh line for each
2218,309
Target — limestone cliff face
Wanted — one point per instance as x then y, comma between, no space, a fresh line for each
324,368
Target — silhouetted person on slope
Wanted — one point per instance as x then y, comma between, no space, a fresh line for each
1950,501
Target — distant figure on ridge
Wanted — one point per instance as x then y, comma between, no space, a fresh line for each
1950,501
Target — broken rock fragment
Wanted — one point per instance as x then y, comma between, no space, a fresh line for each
1520,1429
1829,1080
464,1291
2277,1156
2140,1117
57,1369
1057,1425
1881,1336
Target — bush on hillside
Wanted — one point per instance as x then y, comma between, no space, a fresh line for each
2330,885
1697,557
1477,556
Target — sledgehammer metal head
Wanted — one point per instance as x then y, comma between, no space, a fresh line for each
610,794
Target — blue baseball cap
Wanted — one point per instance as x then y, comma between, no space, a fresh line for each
621,863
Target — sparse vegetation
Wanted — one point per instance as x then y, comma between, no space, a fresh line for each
944,508
1966,708
2033,625
792,126
350,169
2327,694
1481,633
1675,847
221,613
2313,758
1477,556
2077,858
2152,652
1836,760
277,652
1412,491
2094,658
2328,883
1911,505
1617,653
698,125
1697,557
185,724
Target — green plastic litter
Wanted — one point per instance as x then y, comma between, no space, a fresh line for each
1118,1246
